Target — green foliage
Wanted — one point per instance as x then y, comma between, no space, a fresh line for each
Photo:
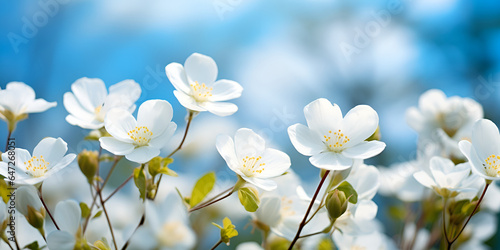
249,198
85,209
202,187
326,244
33,246
97,214
140,181
227,230
4,191
349,191
102,244
159,165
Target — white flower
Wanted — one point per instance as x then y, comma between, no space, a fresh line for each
251,245
139,140
397,180
167,227
48,158
27,196
90,101
67,215
374,240
249,158
197,88
333,141
18,99
444,176
444,120
483,152
3,212
480,229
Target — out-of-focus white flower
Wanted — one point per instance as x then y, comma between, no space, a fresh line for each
3,212
483,152
332,141
27,196
67,215
89,102
397,180
444,120
374,240
444,177
418,239
481,228
18,100
48,158
249,158
167,227
249,246
139,140
197,88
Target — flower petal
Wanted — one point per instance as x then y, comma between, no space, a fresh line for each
76,109
177,76
27,196
90,92
266,184
277,163
143,154
161,140
485,139
39,105
431,102
359,124
225,146
155,115
16,96
67,216
129,88
306,141
224,90
201,68
188,102
65,161
118,123
220,108
116,146
364,150
322,116
61,240
248,143
331,161
365,210
423,178
51,149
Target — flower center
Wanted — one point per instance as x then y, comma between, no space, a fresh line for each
251,166
286,207
98,114
336,141
201,92
140,135
492,166
36,167
172,233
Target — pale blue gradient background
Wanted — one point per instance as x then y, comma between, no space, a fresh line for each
284,53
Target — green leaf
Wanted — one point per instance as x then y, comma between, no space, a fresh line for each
140,181
102,244
4,191
227,231
249,198
97,214
33,246
325,244
159,165
349,191
85,209
202,187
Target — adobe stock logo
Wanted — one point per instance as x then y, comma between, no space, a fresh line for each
30,27
363,36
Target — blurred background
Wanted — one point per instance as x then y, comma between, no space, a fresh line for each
285,54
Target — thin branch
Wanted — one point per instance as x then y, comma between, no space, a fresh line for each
190,118
209,203
119,187
107,217
8,139
46,208
216,245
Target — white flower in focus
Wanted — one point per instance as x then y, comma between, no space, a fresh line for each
445,178
332,141
167,227
483,152
48,158
249,158
444,120
139,140
67,215
197,88
18,100
89,102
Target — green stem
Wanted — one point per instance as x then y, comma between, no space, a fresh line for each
216,245
445,233
46,208
119,187
107,217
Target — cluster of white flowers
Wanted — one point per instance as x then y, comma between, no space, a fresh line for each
437,194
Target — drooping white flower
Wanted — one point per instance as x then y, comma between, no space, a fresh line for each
444,177
18,100
166,227
197,88
249,158
48,158
27,196
139,140
483,152
67,215
89,102
332,141
444,120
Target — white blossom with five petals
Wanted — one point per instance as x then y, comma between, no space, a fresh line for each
197,88
89,102
249,158
139,140
332,141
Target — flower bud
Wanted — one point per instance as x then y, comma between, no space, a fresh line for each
35,217
336,203
88,162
